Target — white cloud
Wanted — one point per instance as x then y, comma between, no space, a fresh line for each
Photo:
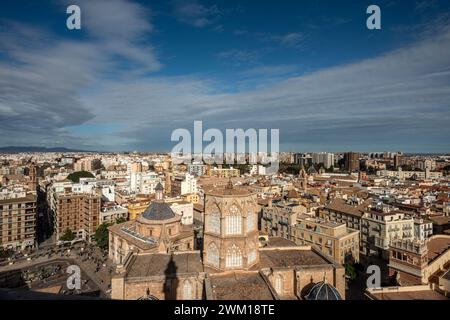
399,98
194,13
293,39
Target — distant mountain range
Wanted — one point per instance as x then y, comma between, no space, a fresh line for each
14,149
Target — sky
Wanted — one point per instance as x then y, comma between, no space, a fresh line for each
138,70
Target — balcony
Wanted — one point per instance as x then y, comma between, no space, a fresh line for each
406,235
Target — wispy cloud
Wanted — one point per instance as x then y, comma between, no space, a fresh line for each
293,39
194,13
290,39
238,57
422,5
270,70
52,90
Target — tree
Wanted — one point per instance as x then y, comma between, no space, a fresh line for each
67,236
120,220
75,176
350,271
5,253
101,235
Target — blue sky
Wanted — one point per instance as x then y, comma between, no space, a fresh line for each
140,69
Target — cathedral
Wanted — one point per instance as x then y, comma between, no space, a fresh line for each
157,230
232,265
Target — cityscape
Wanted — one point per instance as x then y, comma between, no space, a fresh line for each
140,227
225,151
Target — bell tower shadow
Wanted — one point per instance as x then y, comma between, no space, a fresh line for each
170,280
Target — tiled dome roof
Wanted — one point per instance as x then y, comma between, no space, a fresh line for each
323,291
158,211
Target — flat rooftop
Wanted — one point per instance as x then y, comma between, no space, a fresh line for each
280,242
321,222
27,198
159,264
438,245
280,258
240,286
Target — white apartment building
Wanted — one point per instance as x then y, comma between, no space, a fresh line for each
379,227
143,182
402,175
423,228
323,157
111,214
183,208
197,169
184,184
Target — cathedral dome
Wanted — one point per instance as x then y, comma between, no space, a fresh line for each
158,211
323,291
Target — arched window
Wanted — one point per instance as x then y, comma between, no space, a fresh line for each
279,284
234,225
234,257
187,290
212,255
250,222
214,223
234,221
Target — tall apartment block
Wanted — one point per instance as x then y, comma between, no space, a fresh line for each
351,161
78,212
18,221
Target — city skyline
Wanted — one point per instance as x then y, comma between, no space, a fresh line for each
125,81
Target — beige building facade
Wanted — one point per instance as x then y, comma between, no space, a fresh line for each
331,238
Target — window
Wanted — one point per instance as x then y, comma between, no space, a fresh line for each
234,257
234,224
214,223
187,290
212,257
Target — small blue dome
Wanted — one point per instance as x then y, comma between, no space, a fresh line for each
323,291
